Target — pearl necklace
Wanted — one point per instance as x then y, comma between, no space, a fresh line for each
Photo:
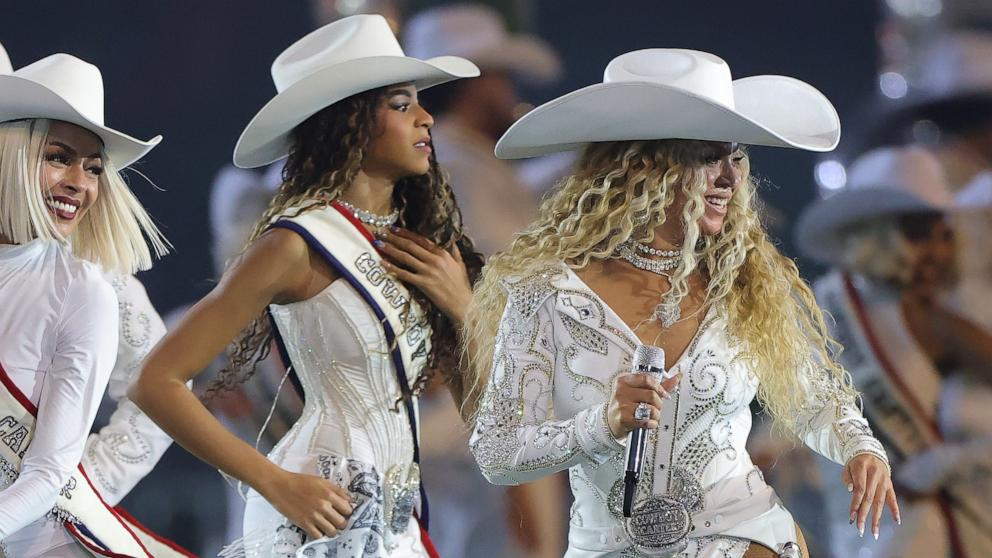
369,218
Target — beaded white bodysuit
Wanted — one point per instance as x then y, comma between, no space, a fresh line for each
351,430
558,351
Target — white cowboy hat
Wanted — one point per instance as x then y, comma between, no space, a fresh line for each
977,194
340,59
478,33
674,93
5,67
63,87
885,181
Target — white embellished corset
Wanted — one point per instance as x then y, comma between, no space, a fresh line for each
558,351
341,356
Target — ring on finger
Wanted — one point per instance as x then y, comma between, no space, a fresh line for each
642,411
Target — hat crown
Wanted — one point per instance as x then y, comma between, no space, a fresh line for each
699,73
351,38
459,30
910,170
78,82
5,67
958,63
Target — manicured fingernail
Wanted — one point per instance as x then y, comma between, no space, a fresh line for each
378,243
898,521
850,488
874,533
665,394
861,530
393,228
851,522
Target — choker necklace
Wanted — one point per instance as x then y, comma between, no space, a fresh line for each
669,259
369,218
667,311
651,250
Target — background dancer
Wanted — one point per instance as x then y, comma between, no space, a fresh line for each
923,368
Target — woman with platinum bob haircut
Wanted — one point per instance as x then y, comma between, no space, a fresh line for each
66,217
655,239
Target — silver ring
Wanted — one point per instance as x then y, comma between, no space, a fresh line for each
642,411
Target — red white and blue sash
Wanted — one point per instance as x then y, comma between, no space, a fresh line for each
101,529
345,244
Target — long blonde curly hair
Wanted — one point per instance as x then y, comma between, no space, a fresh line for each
621,190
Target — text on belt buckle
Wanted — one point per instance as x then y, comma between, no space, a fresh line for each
659,526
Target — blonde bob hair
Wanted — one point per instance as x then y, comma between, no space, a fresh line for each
621,190
113,232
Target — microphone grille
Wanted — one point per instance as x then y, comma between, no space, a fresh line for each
649,356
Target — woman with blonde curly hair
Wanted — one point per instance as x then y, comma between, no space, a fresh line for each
360,273
656,240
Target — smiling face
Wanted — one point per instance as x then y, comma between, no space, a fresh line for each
70,174
401,146
722,167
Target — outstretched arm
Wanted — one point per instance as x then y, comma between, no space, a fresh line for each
833,426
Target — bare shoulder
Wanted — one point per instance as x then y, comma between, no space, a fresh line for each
282,261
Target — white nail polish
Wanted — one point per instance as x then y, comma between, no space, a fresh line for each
850,488
875,534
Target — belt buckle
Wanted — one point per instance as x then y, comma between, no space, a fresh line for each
402,489
659,526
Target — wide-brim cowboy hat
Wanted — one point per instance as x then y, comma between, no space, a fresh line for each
478,32
63,87
346,57
884,182
676,93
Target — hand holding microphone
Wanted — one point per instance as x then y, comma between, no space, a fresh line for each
628,392
636,408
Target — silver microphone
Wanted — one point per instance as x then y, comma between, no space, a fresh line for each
646,360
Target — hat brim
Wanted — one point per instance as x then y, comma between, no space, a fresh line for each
267,137
22,98
528,58
770,110
819,231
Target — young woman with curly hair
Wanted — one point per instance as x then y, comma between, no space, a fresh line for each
655,239
361,266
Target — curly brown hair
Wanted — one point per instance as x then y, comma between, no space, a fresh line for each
327,152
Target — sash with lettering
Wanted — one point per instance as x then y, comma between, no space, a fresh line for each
347,247
900,387
101,529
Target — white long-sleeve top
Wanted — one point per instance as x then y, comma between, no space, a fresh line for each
558,351
58,344
129,446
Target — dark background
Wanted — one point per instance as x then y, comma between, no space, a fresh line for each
197,71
